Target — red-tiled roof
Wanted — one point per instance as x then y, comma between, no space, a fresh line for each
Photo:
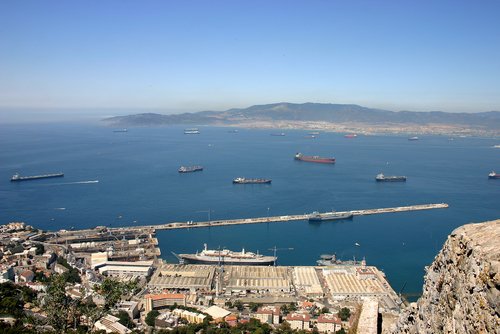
166,296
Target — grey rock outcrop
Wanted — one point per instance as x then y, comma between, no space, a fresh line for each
462,286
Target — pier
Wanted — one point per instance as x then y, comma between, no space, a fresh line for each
278,219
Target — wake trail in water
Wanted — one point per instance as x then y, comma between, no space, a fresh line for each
77,182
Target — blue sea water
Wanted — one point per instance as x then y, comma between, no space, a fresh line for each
139,182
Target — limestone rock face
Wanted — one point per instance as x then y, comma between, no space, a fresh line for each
462,286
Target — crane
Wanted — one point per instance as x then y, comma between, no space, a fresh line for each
209,212
274,249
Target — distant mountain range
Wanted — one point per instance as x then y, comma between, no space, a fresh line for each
314,112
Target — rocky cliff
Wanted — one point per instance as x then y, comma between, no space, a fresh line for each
462,286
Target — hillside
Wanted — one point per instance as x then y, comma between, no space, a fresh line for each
462,286
292,113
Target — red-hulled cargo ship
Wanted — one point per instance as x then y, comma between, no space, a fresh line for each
314,158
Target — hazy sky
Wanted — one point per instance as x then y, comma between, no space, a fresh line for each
200,55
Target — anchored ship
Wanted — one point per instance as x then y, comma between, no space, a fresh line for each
17,177
319,217
314,158
191,131
332,260
227,257
493,175
190,169
242,180
382,178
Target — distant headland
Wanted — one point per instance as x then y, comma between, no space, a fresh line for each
328,117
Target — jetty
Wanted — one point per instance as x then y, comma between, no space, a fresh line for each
278,219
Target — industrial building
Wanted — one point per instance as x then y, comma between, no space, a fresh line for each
306,282
183,277
254,279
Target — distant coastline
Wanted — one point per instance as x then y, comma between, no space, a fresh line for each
328,117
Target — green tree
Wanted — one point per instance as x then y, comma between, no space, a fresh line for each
57,304
125,319
284,309
344,314
341,331
150,318
239,305
40,249
113,290
254,306
324,310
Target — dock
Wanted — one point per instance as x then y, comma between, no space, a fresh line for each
278,219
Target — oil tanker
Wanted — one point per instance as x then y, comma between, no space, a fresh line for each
227,257
17,177
314,158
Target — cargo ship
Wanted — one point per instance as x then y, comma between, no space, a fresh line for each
314,158
191,131
227,257
319,217
382,178
493,175
190,169
242,180
17,177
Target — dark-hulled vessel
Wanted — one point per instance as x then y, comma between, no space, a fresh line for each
493,175
242,180
316,217
17,177
190,169
382,178
227,257
314,158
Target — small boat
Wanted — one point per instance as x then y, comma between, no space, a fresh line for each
190,169
350,135
496,146
242,180
413,138
382,178
191,131
120,130
314,133
356,244
280,134
493,175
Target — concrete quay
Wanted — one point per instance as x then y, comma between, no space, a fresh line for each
278,219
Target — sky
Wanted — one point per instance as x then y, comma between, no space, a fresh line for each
177,56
